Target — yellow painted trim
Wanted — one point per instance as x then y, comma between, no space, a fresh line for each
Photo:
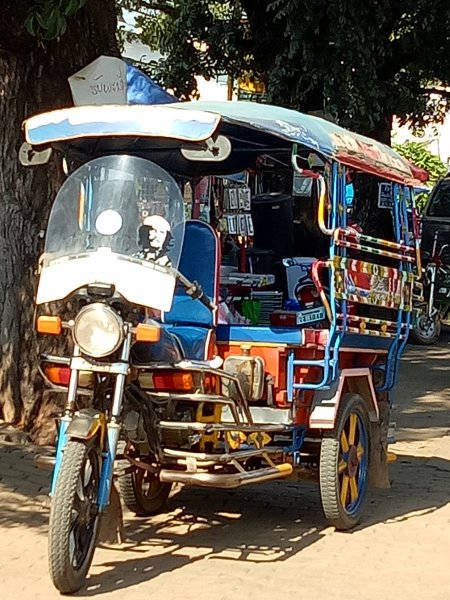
344,490
353,489
352,432
344,442
360,452
390,457
99,423
285,468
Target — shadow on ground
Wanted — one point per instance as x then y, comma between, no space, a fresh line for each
422,396
267,523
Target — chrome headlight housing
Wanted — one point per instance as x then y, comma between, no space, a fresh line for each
98,330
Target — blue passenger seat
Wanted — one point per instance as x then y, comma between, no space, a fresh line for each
190,321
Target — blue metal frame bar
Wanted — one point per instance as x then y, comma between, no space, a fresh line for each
331,350
61,444
337,217
401,228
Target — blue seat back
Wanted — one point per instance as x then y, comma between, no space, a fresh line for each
199,262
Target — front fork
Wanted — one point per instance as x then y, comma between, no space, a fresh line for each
431,296
432,277
109,448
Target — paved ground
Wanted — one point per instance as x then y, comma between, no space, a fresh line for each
265,542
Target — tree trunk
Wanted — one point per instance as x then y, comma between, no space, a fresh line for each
33,78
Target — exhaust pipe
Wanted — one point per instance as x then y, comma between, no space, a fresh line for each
232,480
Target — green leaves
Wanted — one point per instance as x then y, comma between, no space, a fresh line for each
420,155
360,62
47,19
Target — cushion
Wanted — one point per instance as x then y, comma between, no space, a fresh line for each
199,262
193,340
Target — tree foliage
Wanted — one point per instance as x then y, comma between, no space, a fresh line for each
47,19
420,155
360,62
195,38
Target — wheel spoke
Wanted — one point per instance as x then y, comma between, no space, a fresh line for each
80,491
87,474
360,452
353,489
344,442
72,547
352,432
344,490
342,466
75,541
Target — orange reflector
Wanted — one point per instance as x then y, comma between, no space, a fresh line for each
46,324
147,333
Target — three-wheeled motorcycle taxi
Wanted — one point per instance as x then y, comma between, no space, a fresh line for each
231,318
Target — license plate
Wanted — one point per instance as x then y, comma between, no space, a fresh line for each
310,316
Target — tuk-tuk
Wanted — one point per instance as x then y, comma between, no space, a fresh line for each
229,319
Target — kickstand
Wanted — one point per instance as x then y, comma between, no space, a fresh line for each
111,523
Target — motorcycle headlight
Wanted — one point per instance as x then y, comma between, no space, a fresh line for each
98,330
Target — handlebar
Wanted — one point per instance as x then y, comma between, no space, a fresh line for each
195,290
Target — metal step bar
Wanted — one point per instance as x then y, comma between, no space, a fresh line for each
226,480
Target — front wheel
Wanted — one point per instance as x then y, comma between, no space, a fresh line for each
344,465
426,330
74,517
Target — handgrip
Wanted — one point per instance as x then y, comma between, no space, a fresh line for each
195,291
321,264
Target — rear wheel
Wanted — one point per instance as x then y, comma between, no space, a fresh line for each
426,330
344,465
74,517
142,492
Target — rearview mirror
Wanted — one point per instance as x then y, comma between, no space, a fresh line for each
211,150
30,157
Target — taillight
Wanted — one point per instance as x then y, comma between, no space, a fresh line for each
173,381
61,376
58,375
211,384
167,381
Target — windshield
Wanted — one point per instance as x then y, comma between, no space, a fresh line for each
440,202
124,203
117,220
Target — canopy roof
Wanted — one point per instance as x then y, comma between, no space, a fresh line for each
249,126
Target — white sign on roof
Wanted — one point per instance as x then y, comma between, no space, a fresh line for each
103,81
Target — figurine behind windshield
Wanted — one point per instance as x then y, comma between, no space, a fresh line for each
154,239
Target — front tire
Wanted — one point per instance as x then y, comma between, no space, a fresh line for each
344,465
74,517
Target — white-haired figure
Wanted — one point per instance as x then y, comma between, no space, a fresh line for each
154,239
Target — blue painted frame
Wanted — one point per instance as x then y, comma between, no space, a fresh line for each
337,217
